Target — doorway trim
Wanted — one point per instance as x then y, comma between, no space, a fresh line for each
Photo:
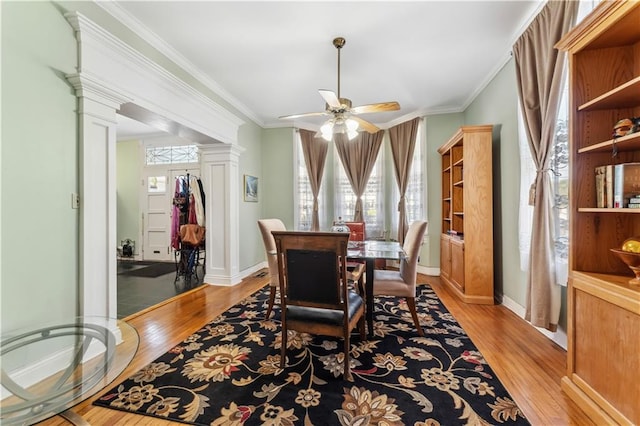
113,77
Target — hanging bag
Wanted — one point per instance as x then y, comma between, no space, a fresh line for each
192,234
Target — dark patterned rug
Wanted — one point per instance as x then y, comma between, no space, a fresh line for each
228,373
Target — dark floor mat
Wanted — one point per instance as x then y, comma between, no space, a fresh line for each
152,271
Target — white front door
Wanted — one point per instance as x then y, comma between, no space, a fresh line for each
158,211
157,194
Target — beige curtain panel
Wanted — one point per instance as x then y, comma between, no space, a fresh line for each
358,157
403,143
315,155
540,74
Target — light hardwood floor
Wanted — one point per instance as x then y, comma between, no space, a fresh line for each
528,364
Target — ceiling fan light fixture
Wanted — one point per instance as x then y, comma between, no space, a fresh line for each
352,125
339,125
327,130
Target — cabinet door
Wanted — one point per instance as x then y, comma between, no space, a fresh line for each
457,263
445,256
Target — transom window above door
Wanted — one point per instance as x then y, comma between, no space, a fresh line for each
155,155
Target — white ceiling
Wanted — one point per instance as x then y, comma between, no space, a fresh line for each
269,58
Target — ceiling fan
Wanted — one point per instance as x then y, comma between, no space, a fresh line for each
344,117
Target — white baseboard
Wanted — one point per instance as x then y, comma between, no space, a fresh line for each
253,269
559,337
429,270
249,271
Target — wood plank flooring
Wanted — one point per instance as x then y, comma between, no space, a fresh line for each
528,364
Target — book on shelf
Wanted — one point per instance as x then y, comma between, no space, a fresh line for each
633,205
626,184
604,186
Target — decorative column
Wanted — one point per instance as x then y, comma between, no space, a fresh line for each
97,107
222,187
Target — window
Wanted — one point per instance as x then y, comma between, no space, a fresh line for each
157,184
303,196
171,154
372,198
559,165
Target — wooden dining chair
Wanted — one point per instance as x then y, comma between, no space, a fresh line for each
402,282
266,226
314,294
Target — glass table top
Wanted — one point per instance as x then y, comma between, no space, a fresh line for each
375,249
47,369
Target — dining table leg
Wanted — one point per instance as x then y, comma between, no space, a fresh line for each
368,285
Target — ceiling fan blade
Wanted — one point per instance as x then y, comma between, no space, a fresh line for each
369,127
304,114
330,98
380,107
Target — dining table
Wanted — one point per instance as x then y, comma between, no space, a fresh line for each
370,251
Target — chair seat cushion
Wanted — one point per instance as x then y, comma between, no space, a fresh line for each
324,316
390,283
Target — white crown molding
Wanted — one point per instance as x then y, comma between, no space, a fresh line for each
156,42
90,86
111,63
506,57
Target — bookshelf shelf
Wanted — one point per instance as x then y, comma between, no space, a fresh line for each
625,143
623,96
608,210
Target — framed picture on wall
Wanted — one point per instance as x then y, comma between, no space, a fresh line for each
250,188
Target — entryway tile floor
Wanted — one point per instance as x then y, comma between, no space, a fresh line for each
138,293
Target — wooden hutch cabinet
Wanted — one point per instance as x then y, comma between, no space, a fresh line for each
603,358
466,243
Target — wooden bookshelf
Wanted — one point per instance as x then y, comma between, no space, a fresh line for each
466,243
603,365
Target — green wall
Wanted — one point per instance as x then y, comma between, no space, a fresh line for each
251,247
497,104
39,166
128,191
277,179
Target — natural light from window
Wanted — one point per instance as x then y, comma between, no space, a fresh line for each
372,199
171,154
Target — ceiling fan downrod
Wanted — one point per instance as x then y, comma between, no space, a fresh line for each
338,42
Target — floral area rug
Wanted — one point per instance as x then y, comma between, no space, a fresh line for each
228,373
